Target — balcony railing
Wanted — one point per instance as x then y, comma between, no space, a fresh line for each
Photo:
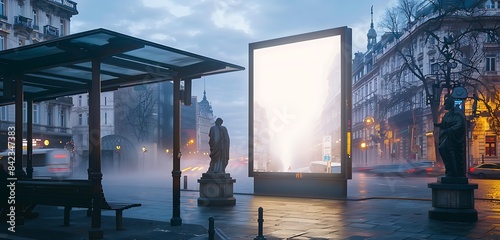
51,31
37,128
22,22
65,4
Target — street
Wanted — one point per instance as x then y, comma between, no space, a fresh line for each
154,188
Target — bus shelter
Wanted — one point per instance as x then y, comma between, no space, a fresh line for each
93,62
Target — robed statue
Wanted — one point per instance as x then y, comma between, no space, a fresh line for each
452,139
219,148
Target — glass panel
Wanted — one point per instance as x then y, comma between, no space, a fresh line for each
70,72
42,51
163,56
99,39
112,68
32,89
55,78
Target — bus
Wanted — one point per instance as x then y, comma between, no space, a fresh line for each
54,163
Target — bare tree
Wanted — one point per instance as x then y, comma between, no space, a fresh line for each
452,34
137,110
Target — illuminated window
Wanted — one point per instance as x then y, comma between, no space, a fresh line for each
490,146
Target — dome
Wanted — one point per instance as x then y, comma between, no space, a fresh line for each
371,33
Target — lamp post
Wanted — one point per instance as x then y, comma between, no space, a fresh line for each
118,148
363,148
368,123
144,150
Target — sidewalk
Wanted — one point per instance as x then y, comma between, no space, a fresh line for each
284,218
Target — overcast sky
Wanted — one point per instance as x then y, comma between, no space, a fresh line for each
222,29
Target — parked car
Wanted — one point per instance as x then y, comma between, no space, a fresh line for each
485,170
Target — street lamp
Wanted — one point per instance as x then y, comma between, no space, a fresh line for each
118,148
369,121
363,147
144,150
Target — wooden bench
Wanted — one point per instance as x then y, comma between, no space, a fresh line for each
66,193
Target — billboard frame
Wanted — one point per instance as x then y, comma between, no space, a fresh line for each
345,34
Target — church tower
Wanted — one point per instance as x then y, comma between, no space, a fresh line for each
205,121
372,34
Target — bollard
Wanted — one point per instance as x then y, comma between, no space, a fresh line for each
261,223
185,182
211,229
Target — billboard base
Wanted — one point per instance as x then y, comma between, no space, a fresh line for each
300,187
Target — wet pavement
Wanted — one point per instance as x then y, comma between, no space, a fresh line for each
361,216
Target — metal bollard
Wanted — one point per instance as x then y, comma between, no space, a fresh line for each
185,182
261,223
211,229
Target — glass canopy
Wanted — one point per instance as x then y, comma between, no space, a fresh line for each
63,66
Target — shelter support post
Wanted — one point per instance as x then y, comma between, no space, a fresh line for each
29,139
18,144
19,128
95,174
176,170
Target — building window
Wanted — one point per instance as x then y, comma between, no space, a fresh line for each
490,64
48,19
49,116
25,111
2,7
36,114
62,118
61,30
3,110
2,42
21,9
490,5
22,41
80,119
490,146
105,118
105,101
80,101
35,19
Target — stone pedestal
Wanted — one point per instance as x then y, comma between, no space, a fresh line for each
216,189
453,200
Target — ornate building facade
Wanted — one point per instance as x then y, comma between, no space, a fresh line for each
24,22
404,131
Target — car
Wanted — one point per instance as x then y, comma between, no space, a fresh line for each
485,170
393,170
428,168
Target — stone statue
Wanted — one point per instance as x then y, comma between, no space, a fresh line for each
219,148
452,139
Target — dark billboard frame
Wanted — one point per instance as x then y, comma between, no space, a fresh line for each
345,35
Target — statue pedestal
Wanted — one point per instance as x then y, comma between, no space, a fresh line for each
453,200
216,189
